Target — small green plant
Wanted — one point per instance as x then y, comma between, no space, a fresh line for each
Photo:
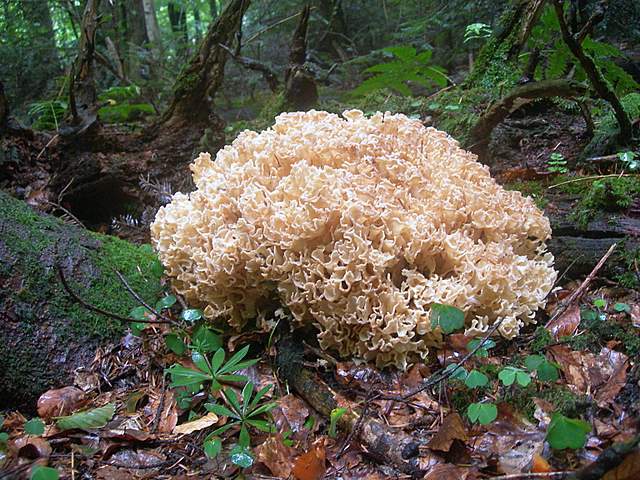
476,31
564,432
407,66
546,371
510,375
336,415
483,413
243,412
557,163
483,351
35,426
628,160
47,114
447,317
476,379
44,473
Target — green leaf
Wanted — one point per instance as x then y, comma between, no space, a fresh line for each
156,268
548,372
184,377
232,399
483,413
336,414
244,440
510,375
205,340
459,374
175,343
212,447
200,361
166,302
140,313
566,432
191,315
600,303
262,425
447,317
261,393
532,362
94,418
241,456
217,360
230,366
44,473
35,426
4,437
622,307
476,379
220,410
403,52
263,409
482,351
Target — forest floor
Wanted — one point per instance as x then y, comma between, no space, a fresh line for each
579,361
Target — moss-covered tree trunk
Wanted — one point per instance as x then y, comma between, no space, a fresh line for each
44,334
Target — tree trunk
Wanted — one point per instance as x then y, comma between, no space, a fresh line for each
44,333
178,22
137,68
300,91
213,10
38,16
199,81
82,88
497,60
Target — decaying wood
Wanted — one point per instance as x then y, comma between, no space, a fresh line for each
481,132
386,445
267,73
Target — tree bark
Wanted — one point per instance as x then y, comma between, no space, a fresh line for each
178,22
199,81
44,333
591,70
82,88
300,91
497,59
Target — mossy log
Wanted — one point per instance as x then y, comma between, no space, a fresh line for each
44,334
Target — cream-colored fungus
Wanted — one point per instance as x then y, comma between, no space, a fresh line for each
358,225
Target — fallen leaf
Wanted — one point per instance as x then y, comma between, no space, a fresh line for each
513,445
520,174
611,367
574,366
447,471
201,423
311,465
166,419
566,324
59,402
276,456
294,410
32,447
540,465
451,429
635,315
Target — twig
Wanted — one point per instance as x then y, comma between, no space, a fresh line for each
269,27
371,396
583,286
99,310
159,410
140,300
443,373
595,177
47,145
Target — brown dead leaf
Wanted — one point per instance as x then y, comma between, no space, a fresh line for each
635,315
514,445
276,456
611,369
295,411
311,465
566,324
164,419
574,366
540,465
520,174
201,423
59,402
627,470
32,447
452,429
448,471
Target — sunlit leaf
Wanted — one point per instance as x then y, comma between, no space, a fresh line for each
94,418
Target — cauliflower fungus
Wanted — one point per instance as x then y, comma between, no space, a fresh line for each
358,225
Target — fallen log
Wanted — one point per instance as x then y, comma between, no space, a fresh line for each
44,333
381,442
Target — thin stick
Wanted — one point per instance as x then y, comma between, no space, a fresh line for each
583,286
140,300
596,177
99,310
443,373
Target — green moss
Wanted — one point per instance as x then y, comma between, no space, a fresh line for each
629,259
596,333
608,194
605,136
531,188
46,320
541,339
